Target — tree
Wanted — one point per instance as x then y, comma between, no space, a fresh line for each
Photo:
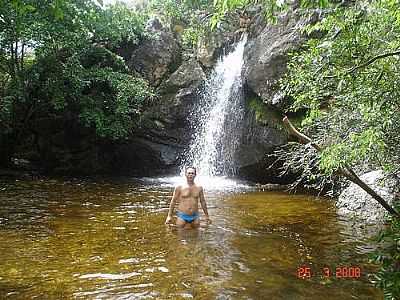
347,82
57,58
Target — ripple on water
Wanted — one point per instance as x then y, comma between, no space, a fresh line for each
107,240
110,276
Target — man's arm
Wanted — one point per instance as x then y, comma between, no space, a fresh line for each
204,205
172,204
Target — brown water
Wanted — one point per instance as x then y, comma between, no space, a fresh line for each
106,240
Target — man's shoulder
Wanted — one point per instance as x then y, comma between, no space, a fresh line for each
199,187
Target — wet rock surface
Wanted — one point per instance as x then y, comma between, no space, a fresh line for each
258,140
163,140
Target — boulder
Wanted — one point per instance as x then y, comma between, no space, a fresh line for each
259,138
162,140
185,79
356,203
207,49
157,56
266,52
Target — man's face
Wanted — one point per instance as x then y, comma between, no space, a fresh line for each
190,173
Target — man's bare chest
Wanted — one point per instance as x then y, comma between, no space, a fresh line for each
190,192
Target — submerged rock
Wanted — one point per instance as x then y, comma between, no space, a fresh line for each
354,202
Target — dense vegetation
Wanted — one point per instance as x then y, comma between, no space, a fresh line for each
346,83
62,66
60,63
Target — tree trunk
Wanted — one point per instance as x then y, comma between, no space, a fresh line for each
346,171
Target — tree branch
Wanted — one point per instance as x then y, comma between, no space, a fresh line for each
372,60
346,171
367,63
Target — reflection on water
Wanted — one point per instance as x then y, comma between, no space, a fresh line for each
106,240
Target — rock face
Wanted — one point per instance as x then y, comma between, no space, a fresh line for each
163,142
207,48
258,140
266,53
185,79
157,56
160,143
356,203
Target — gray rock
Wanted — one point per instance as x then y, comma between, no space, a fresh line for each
206,49
356,203
163,141
154,25
210,46
267,52
156,56
187,78
257,140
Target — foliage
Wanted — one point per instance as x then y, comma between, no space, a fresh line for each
347,83
264,114
190,15
118,23
53,57
388,256
191,36
114,107
178,12
96,85
353,105
270,7
302,161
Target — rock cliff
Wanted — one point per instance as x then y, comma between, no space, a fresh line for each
158,145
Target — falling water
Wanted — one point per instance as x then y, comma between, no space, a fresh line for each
217,119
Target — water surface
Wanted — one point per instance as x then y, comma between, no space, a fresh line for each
105,239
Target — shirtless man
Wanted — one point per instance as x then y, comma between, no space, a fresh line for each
187,196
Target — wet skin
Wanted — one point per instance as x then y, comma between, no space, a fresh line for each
187,197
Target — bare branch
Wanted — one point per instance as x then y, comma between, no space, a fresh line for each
372,60
346,171
367,63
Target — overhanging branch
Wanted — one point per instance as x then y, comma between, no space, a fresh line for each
367,63
346,171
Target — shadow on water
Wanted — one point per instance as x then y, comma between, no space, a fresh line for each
107,240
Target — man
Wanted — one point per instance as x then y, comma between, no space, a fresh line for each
187,196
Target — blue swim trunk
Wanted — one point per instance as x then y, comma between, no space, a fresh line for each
187,218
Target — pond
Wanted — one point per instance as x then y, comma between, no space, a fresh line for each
106,239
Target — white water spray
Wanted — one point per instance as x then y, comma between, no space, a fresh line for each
217,120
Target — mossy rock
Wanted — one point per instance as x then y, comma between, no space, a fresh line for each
264,113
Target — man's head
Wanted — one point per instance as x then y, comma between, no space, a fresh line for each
190,173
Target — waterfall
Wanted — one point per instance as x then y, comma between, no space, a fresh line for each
216,121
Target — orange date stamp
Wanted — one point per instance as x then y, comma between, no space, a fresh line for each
350,272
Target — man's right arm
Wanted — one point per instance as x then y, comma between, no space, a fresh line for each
172,204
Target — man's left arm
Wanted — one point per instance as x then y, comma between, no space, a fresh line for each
204,205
